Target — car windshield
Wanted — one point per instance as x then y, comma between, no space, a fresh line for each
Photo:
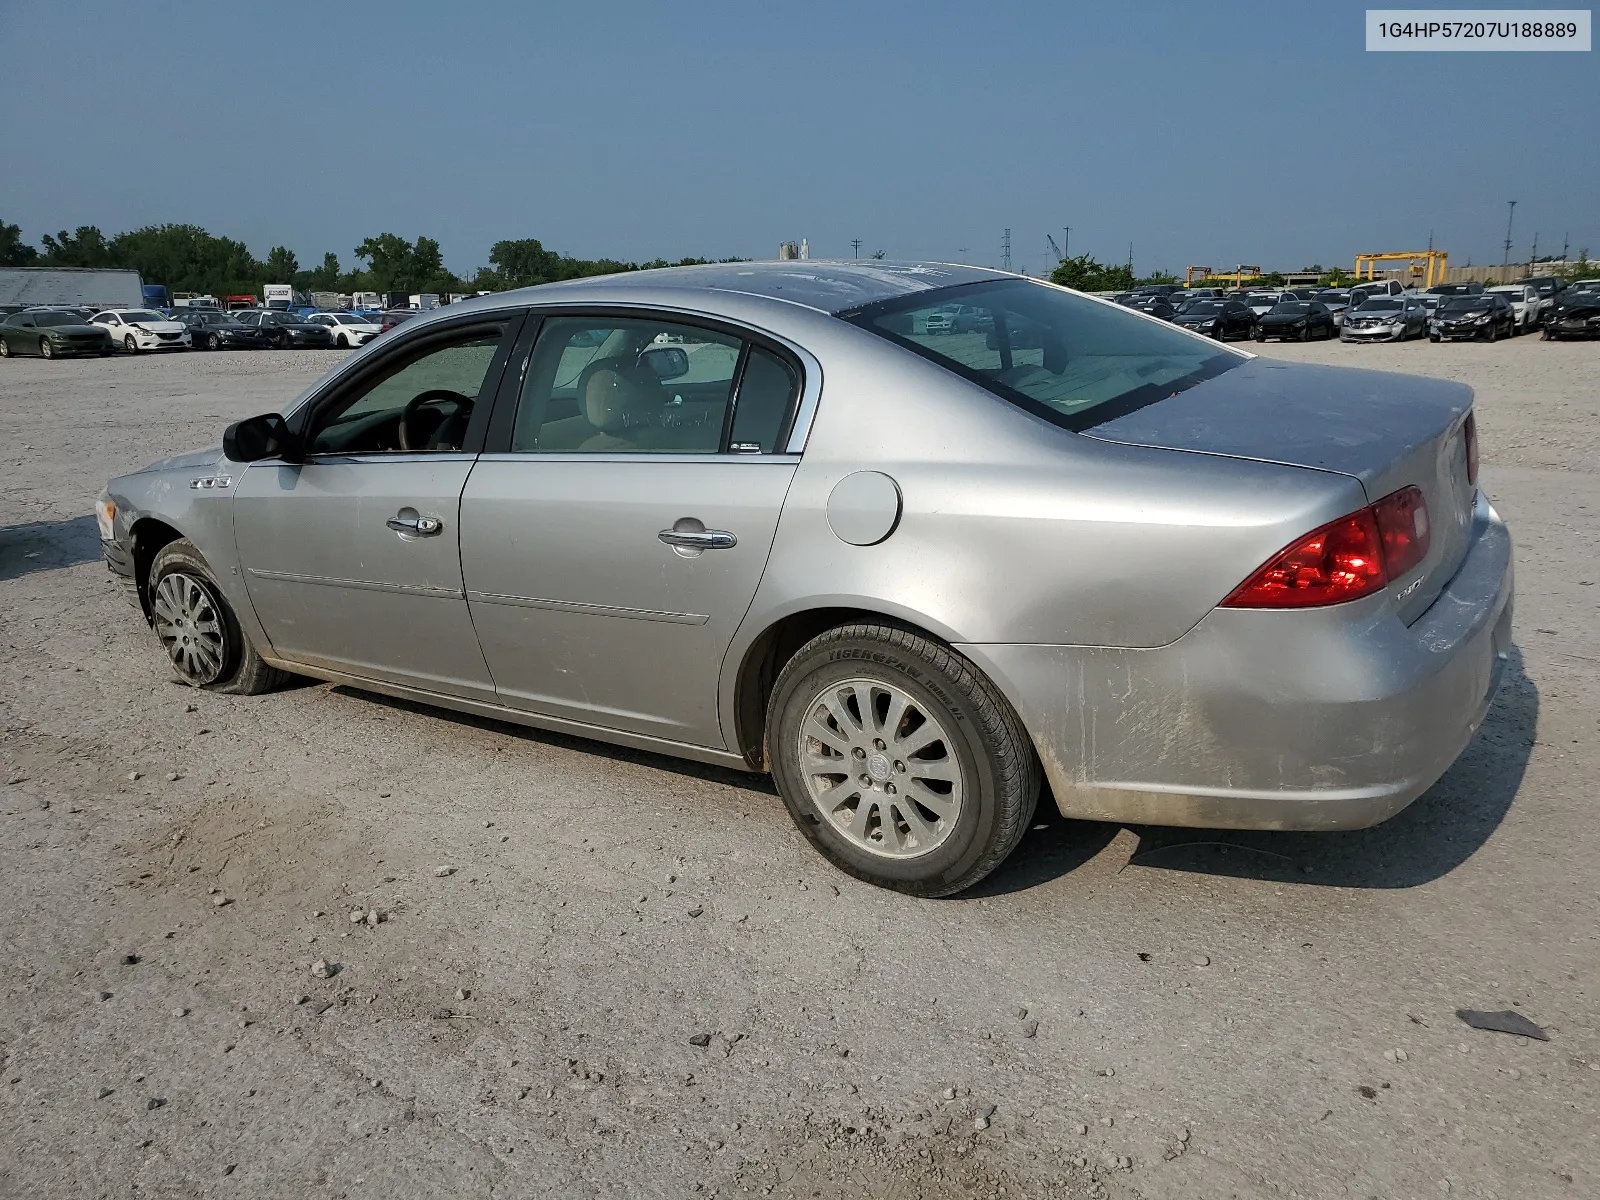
1464,303
1071,360
278,317
1292,308
1334,297
141,315
1201,308
347,319
1380,304
45,320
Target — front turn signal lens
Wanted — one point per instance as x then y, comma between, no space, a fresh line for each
105,515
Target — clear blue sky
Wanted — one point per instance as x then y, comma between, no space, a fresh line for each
1202,132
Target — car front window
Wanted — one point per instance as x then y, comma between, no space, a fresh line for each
1069,359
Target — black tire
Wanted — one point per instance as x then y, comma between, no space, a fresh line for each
1492,333
1305,334
131,346
46,350
242,672
5,348
1260,337
998,769
213,342
342,342
1433,337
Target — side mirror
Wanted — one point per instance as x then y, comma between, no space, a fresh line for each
257,438
668,362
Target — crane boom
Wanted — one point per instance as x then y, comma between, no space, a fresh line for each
1055,249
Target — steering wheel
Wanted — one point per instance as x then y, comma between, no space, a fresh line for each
414,438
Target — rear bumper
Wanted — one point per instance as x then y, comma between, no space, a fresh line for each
1331,718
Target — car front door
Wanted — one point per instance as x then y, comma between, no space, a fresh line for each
615,530
352,554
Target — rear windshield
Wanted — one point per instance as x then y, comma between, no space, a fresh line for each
1071,360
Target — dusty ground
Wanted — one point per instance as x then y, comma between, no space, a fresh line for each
523,1026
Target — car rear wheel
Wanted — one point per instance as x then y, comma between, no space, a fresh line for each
5,348
899,761
198,629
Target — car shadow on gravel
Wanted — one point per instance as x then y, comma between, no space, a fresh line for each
47,546
1438,832
664,762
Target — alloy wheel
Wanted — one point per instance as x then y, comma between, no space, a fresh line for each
880,768
189,624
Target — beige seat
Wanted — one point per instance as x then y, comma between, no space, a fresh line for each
622,401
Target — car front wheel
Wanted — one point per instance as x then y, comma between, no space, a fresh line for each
198,629
131,346
899,761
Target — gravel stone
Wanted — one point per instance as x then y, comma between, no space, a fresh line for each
323,969
440,872
1202,960
700,1039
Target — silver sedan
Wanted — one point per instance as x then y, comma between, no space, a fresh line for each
786,518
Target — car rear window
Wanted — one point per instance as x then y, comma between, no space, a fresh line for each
1073,361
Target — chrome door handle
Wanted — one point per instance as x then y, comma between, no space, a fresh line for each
415,526
699,539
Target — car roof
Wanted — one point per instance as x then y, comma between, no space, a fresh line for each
823,285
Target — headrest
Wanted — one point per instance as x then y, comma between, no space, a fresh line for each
617,392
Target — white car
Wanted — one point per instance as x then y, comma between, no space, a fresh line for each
1526,303
348,329
1261,303
136,329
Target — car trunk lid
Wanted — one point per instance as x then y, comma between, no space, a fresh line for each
1387,430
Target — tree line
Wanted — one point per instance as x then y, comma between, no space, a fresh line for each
186,258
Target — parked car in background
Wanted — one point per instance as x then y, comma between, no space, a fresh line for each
1221,319
136,329
625,509
347,329
1456,289
51,335
1575,312
212,329
1336,301
1301,320
1548,286
1483,316
1526,304
1384,319
1261,303
1153,306
284,330
239,303
395,316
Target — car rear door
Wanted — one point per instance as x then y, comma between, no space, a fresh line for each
616,527
352,554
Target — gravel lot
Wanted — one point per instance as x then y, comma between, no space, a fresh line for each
1127,1012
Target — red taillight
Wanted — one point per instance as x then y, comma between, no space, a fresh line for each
1469,434
1344,560
1403,526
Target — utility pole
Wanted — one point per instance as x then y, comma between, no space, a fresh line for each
855,246
1565,242
1533,255
1511,211
1005,249
1130,258
1066,240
